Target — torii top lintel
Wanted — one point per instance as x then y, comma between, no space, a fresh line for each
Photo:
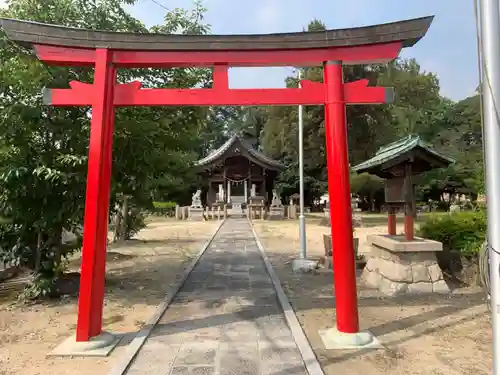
362,45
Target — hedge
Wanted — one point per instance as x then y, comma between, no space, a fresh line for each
463,232
164,208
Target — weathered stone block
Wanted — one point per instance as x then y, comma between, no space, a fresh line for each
392,288
276,213
195,214
420,288
435,272
393,271
420,274
440,287
370,278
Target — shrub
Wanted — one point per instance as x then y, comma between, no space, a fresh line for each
164,204
462,232
135,222
164,208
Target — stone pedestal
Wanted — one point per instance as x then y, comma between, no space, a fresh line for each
325,221
196,213
397,266
327,260
276,213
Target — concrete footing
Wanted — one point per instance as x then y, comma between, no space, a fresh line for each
99,346
333,339
304,265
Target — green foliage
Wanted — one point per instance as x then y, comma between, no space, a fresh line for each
43,150
164,204
164,208
135,222
462,232
288,183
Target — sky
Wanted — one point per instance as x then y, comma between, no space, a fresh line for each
448,49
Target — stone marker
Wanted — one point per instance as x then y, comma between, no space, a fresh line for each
196,208
276,211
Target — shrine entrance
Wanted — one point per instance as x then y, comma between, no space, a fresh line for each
107,51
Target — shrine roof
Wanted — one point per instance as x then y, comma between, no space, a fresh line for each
406,150
238,146
27,33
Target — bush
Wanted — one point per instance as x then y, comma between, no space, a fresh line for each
462,232
135,222
164,208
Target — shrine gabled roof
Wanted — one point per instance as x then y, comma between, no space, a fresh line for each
397,150
234,144
27,33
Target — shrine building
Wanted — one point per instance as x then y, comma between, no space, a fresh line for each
236,172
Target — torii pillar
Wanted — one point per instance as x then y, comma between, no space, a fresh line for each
337,96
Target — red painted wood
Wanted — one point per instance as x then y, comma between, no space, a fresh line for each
103,95
91,295
409,228
391,224
339,191
358,92
368,54
310,93
220,77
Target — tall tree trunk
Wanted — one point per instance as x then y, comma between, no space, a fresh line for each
118,226
124,226
38,254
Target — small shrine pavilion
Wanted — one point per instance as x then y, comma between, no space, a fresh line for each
403,264
237,171
397,163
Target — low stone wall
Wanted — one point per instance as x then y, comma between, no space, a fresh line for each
216,213
396,271
197,214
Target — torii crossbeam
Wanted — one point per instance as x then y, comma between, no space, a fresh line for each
107,51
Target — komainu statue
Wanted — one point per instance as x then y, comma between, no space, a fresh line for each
196,200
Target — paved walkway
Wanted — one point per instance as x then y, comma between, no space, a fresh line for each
226,320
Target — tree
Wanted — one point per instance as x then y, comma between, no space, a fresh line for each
43,150
458,134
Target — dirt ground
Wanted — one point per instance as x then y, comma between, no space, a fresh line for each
421,335
139,273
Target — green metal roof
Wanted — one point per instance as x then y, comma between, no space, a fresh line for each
398,148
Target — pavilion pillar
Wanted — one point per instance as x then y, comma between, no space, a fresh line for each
228,191
409,216
339,191
90,302
245,190
391,221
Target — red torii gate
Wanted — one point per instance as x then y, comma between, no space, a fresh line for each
107,51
